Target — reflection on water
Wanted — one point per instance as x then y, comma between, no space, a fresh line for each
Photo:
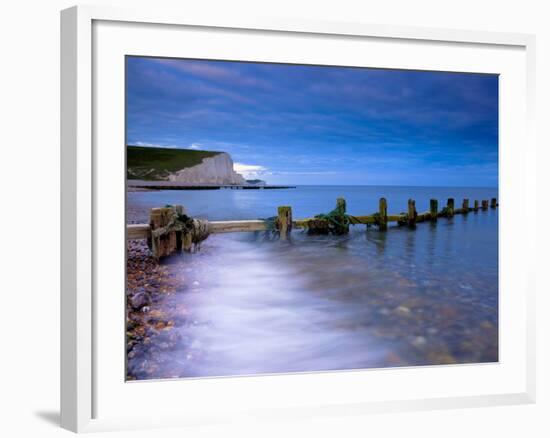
368,299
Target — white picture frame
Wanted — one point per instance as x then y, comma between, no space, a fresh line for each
82,381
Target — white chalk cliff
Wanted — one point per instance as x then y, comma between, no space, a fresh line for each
213,170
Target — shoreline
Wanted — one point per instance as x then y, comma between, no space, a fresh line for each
149,326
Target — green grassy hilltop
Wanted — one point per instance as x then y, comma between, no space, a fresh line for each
154,164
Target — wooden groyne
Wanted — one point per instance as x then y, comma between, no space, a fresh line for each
170,229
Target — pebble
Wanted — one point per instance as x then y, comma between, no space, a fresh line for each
140,299
402,311
149,325
419,341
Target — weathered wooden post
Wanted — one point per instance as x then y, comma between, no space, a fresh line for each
341,210
180,211
341,205
484,204
476,205
450,207
493,202
166,243
284,221
465,206
383,214
411,213
187,243
433,209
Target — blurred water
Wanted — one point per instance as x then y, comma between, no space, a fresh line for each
368,299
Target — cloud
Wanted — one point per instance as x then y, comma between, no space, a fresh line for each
249,170
198,68
214,71
195,146
155,145
328,172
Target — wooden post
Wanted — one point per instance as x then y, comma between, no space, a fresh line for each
180,244
433,209
284,221
383,214
411,213
484,204
180,209
187,243
465,205
167,244
341,205
186,240
450,207
493,202
476,205
341,209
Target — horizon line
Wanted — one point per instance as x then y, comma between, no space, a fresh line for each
383,185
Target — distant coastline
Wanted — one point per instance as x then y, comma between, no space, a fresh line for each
135,185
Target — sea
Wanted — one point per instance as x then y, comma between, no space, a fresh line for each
368,299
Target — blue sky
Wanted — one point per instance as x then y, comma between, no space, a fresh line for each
290,124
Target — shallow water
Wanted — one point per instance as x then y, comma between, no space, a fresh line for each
369,299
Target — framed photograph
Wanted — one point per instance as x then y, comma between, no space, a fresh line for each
282,218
